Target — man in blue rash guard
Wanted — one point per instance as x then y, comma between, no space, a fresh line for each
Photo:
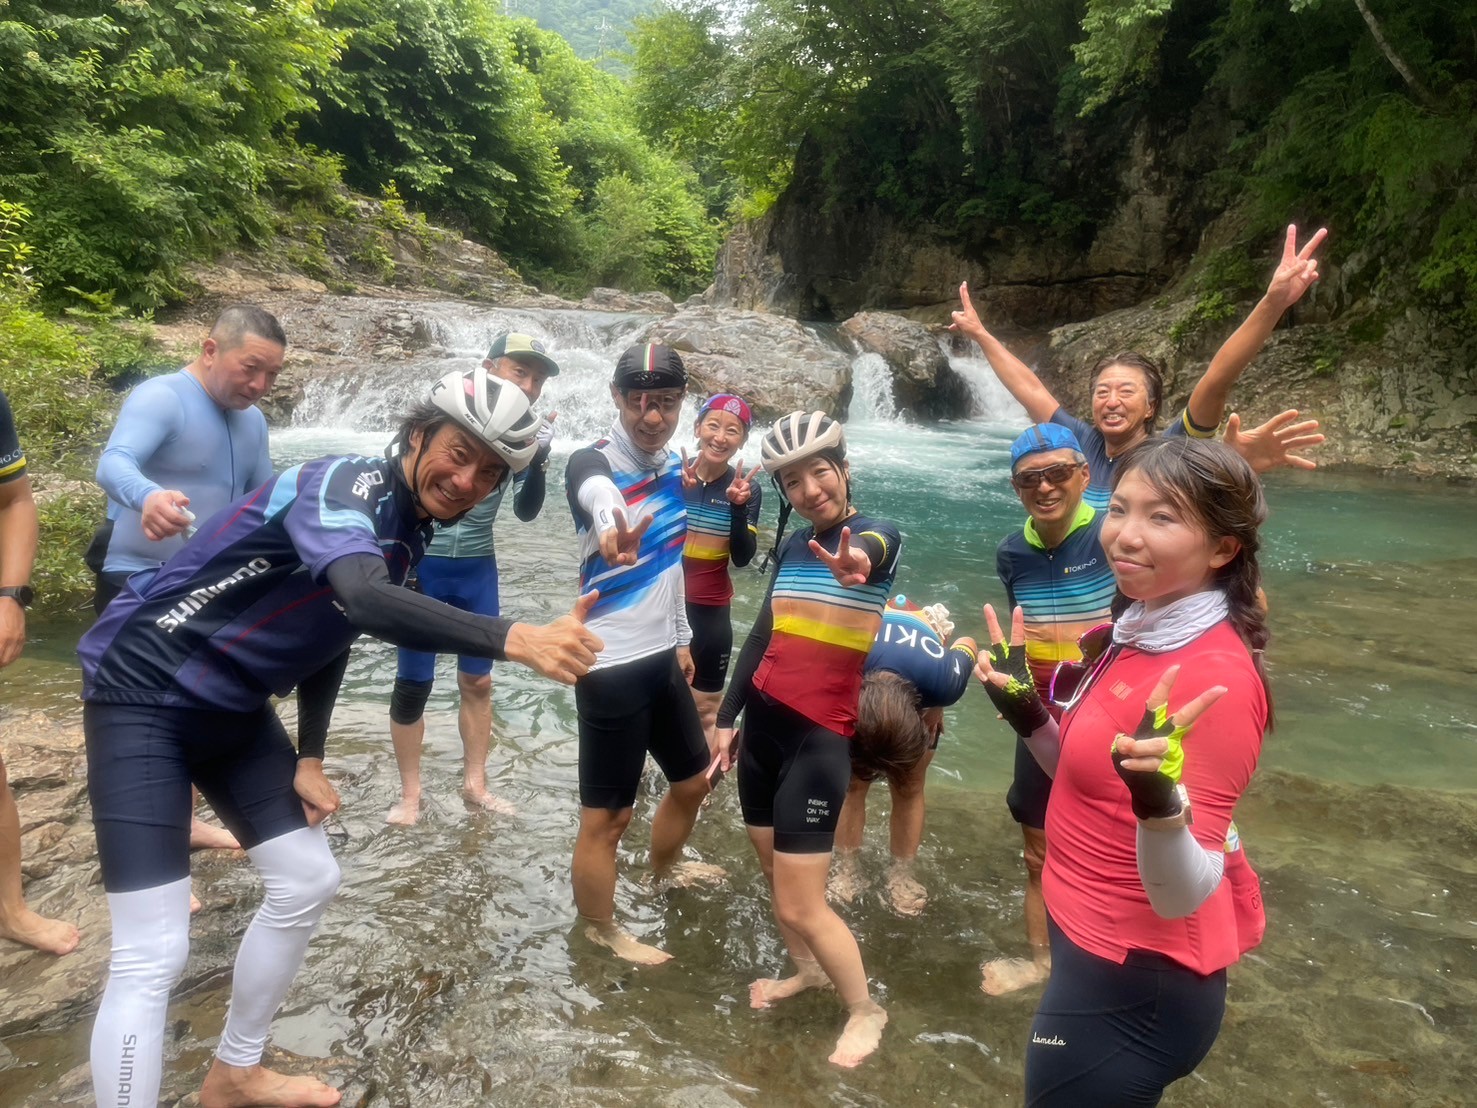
177,680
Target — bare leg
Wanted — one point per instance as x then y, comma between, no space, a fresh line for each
407,739
671,826
907,894
206,836
594,885
18,922
846,882
808,973
708,704
1006,975
474,720
248,1086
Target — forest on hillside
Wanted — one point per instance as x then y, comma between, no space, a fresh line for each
597,29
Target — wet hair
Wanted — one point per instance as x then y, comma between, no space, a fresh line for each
236,321
891,737
1213,485
1153,378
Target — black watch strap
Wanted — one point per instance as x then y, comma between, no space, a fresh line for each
21,594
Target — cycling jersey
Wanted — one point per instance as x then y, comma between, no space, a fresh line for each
171,434
717,532
908,646
1100,467
1063,591
207,629
12,457
641,609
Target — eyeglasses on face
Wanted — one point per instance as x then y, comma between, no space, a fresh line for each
1058,474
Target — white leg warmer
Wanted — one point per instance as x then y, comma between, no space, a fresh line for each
151,941
301,877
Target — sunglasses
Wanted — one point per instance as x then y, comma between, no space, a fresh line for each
1058,474
1071,680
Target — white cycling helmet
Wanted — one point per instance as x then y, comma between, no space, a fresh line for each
798,436
494,410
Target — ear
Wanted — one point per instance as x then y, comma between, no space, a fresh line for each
209,349
488,364
615,394
1225,550
415,439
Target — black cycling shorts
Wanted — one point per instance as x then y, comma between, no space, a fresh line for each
1030,789
141,760
793,775
712,643
627,711
1113,1036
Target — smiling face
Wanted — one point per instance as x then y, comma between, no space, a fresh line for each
452,471
1121,404
1158,551
817,489
239,376
527,376
649,417
719,435
1055,499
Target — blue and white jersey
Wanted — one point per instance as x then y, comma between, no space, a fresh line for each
244,611
641,609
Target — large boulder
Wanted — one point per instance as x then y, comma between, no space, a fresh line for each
777,364
924,384
617,300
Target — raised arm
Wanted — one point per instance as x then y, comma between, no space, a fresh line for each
1017,377
1295,274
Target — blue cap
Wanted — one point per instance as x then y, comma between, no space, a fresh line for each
1040,437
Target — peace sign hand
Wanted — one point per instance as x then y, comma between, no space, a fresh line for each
742,487
1002,670
1298,269
850,565
1152,759
621,545
690,479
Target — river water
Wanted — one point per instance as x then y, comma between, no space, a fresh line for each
449,970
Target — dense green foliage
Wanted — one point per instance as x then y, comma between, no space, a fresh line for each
596,29
980,119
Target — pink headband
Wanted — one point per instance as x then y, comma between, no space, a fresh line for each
728,402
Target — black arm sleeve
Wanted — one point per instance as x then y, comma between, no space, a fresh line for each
748,660
877,551
379,607
316,696
528,495
742,542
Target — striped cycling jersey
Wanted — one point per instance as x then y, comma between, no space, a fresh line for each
908,646
12,457
640,610
1063,592
823,630
221,624
1100,467
711,520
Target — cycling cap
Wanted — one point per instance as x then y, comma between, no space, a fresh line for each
733,405
494,410
650,366
798,436
523,348
1040,437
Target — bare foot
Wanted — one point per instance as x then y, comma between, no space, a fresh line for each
50,936
625,946
681,875
908,896
405,812
846,882
195,904
477,796
207,836
767,990
1008,975
861,1035
250,1086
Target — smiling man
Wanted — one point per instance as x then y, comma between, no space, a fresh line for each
1055,569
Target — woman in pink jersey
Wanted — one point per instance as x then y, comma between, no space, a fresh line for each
1146,907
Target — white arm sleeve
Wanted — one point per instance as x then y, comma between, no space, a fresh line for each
599,496
1178,873
684,629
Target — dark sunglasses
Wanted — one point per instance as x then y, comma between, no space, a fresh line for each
1070,680
1057,475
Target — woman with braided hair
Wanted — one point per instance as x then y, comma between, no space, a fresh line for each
1147,909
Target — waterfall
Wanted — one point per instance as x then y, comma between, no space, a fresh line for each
871,391
992,402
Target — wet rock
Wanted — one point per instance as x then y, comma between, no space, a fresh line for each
779,365
699,1096
924,385
614,300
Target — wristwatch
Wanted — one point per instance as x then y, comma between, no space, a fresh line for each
21,594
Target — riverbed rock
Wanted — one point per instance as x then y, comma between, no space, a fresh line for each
615,300
777,364
924,384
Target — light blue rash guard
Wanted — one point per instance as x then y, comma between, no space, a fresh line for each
171,435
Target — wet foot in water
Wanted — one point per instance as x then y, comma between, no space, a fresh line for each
405,811
768,990
1008,975
247,1086
477,796
846,882
206,836
682,875
907,895
50,936
861,1035
625,946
